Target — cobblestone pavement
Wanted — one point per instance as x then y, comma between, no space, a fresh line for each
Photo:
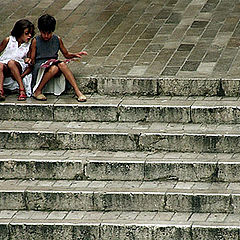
142,38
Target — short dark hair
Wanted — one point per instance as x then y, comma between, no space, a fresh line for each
20,26
46,23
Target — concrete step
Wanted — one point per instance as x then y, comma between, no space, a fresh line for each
125,109
173,196
118,166
163,86
116,225
109,136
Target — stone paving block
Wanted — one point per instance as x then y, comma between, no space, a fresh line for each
228,171
41,169
181,170
216,203
179,231
210,114
213,232
231,87
12,200
75,215
188,142
157,112
217,217
26,112
128,201
40,231
4,214
85,231
60,201
199,217
199,203
127,86
235,201
4,230
194,87
122,231
93,112
114,170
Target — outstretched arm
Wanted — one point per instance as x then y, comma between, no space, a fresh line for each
68,54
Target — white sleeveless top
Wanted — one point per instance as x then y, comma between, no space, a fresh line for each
13,52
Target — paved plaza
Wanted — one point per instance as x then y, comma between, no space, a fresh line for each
142,38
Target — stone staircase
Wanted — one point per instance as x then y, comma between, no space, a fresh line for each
122,167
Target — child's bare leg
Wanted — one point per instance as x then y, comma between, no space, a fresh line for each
53,70
2,67
1,75
69,76
14,68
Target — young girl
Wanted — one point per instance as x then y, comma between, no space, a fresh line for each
45,49
14,63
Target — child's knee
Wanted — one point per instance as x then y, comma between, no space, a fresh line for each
53,70
63,66
11,63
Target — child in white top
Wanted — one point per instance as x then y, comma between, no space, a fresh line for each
15,65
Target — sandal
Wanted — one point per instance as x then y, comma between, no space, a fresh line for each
40,97
22,95
2,96
82,98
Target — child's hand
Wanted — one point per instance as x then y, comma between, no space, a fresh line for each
28,61
79,55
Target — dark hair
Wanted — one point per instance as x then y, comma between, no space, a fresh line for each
20,26
46,23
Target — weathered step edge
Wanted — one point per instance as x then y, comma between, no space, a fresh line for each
106,141
105,230
160,86
121,169
102,199
164,111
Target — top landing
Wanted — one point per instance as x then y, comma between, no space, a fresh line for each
142,38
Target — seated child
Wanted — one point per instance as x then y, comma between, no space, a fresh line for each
44,53
14,63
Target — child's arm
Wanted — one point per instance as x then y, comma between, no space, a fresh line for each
30,58
67,54
32,52
4,44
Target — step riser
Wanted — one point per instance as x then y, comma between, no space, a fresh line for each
175,114
54,170
114,231
124,171
166,86
172,87
121,141
117,201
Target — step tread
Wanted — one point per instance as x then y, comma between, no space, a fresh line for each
118,128
119,156
113,101
118,217
124,187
